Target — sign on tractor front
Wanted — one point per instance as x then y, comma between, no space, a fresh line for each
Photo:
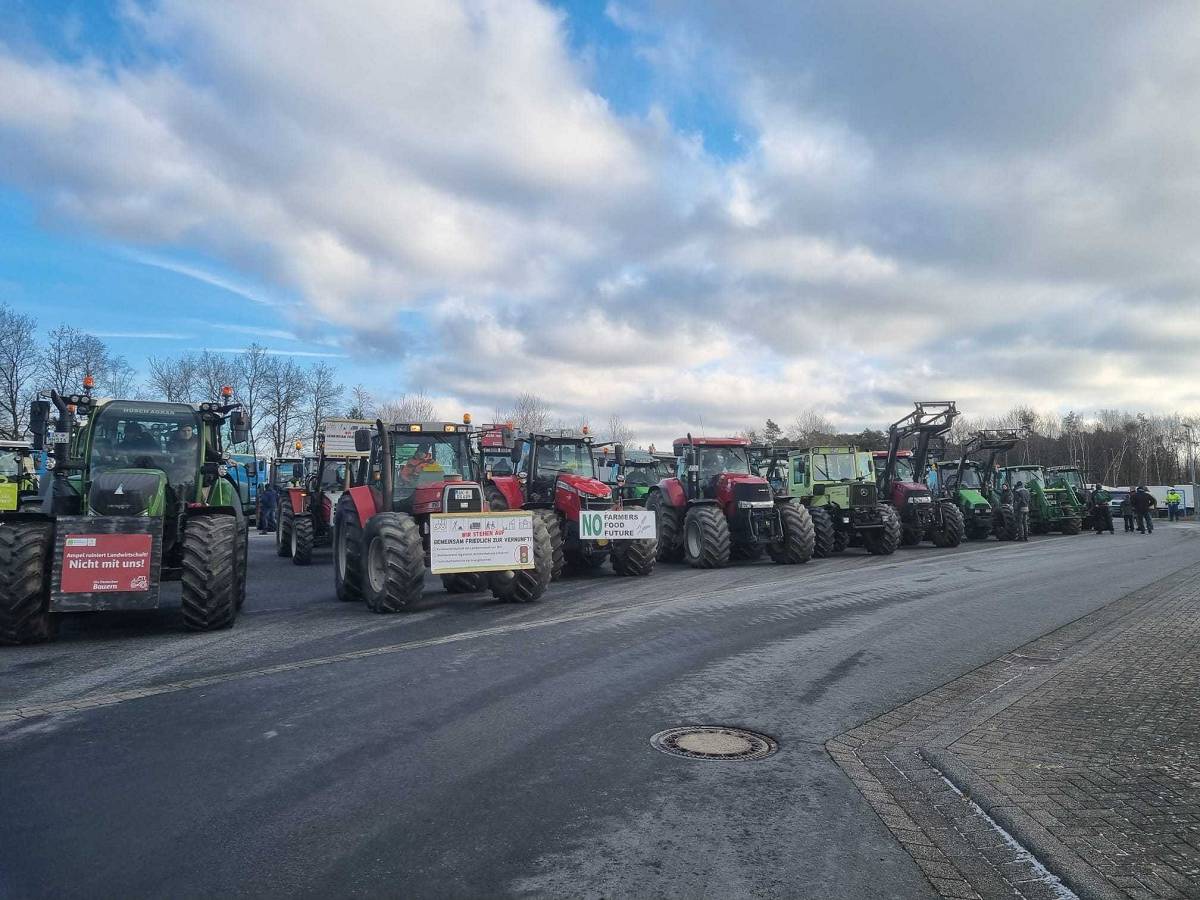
617,525
103,563
480,542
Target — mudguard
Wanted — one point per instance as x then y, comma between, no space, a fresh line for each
674,492
363,499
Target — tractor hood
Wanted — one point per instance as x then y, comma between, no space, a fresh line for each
744,490
128,492
583,486
910,492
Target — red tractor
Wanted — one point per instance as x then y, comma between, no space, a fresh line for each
555,474
901,477
306,513
381,528
715,509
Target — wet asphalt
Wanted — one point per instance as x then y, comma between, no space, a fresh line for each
476,749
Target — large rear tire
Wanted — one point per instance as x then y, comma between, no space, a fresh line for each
347,551
212,572
910,535
283,526
26,549
706,542
394,563
634,558
302,540
527,585
1070,525
798,536
884,541
577,561
669,525
1006,528
822,531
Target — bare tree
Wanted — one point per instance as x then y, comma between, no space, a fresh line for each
70,354
215,371
416,407
363,403
173,378
120,379
282,402
810,427
253,367
19,359
529,413
323,394
618,431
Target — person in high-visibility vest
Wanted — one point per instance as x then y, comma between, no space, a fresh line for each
1174,498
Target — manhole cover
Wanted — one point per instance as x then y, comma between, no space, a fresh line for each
713,742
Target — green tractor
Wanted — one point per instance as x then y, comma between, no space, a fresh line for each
837,485
1051,508
18,476
631,480
138,493
969,484
1081,495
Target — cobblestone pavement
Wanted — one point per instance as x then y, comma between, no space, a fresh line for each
1068,766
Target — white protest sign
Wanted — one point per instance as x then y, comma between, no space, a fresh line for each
339,436
480,542
612,525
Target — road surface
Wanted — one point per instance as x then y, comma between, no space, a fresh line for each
471,749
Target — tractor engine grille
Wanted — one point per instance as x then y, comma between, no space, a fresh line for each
863,494
122,493
752,492
594,503
462,498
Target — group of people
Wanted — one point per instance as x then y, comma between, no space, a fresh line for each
1137,506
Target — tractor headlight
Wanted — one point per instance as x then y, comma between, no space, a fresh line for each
755,504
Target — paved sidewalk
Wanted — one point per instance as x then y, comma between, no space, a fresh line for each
1069,766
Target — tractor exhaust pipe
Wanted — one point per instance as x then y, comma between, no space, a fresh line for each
693,470
386,464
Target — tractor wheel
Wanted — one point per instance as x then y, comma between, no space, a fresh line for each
394,563
910,535
798,536
526,585
347,551
949,533
495,499
212,572
302,540
884,541
1070,525
634,558
584,562
283,527
747,552
26,549
841,540
1006,528
464,583
823,534
706,537
243,562
669,524
558,554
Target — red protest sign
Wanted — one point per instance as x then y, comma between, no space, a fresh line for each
94,563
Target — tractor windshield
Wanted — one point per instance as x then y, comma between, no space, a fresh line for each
1072,479
127,435
575,458
1031,477
642,475
9,463
970,477
715,460
333,475
904,469
834,467
424,459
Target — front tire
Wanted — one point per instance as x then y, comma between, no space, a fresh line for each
950,532
464,583
634,558
669,526
26,549
823,534
527,585
302,540
212,572
347,551
884,541
1071,525
1006,528
394,570
706,542
798,536
283,527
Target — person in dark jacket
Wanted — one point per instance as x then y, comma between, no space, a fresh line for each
266,512
1101,511
1021,502
1143,503
1127,511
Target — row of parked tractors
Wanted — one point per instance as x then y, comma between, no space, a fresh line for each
140,492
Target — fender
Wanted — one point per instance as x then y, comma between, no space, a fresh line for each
674,492
510,489
297,496
363,499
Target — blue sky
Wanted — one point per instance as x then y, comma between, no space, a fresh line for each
665,210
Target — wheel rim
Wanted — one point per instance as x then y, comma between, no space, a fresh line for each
694,542
376,571
339,556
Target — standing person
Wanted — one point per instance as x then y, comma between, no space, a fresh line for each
1021,501
1143,502
1174,498
1102,517
1127,511
266,519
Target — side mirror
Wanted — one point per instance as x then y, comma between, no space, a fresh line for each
239,427
818,490
619,455
515,454
297,471
39,418
362,440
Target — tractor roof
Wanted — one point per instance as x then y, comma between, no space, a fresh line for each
900,454
680,443
1061,468
15,445
428,427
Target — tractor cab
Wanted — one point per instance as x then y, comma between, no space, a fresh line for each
722,467
1071,478
552,470
632,480
18,477
1053,505
417,462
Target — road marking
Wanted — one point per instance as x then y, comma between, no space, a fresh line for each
19,713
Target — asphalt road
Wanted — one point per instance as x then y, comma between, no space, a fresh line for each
476,749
